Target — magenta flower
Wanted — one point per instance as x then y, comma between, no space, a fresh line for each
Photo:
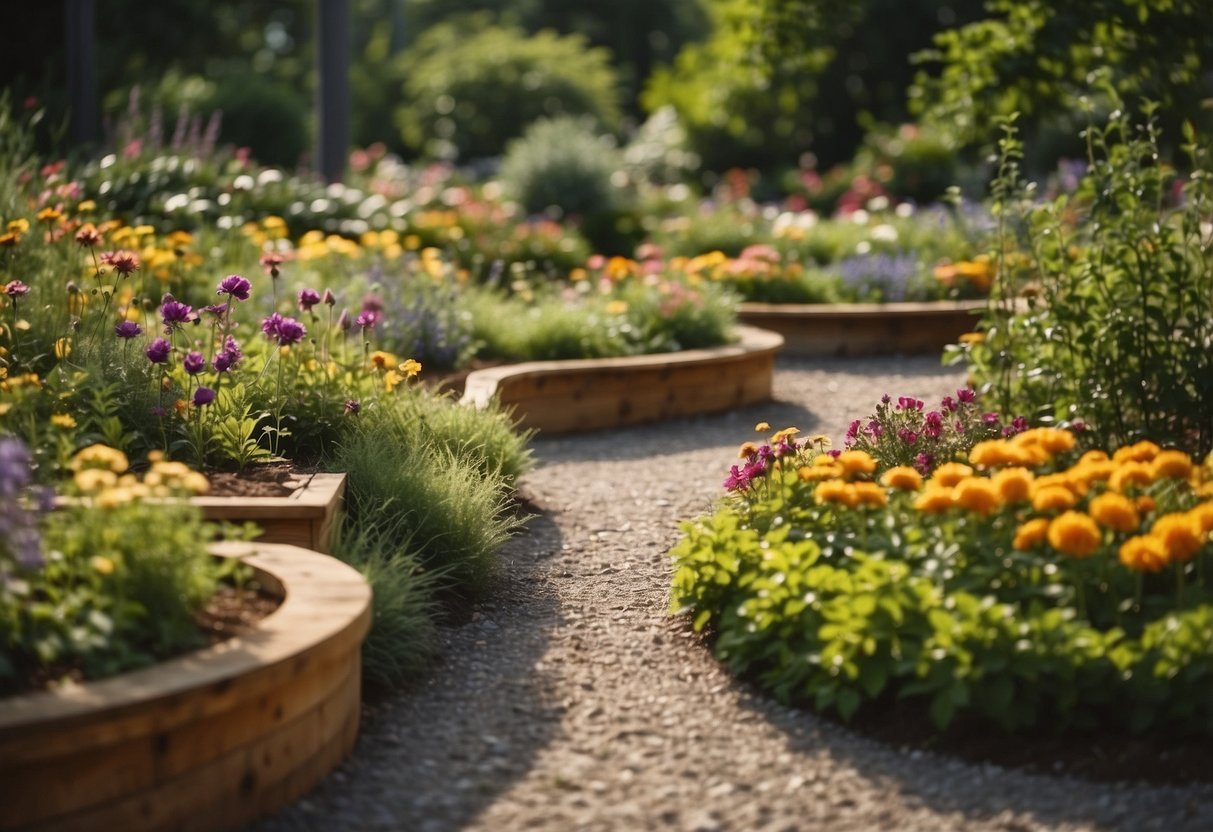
15,289
203,396
283,330
908,436
216,309
352,407
158,351
307,299
194,363
367,319
908,403
923,463
229,357
235,286
966,395
174,313
948,404
736,480
127,329
328,298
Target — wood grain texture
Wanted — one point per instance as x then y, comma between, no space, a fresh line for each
303,519
211,739
590,394
851,329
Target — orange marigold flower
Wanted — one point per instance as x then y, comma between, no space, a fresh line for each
902,477
1092,471
1074,533
381,360
856,462
1053,498
1180,533
1014,484
1142,451
1175,465
818,473
1144,553
1130,473
1203,514
1031,534
1145,503
1053,440
870,494
837,491
1095,455
934,499
977,495
950,473
1115,511
994,452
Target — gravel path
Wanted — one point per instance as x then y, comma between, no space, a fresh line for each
572,701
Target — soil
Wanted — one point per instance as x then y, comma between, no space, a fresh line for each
266,479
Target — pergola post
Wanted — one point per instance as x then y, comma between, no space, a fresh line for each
81,18
332,93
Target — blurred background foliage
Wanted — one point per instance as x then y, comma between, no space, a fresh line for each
773,85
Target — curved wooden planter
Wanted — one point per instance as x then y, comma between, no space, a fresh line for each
305,518
849,329
206,741
588,394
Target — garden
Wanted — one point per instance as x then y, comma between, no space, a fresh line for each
759,419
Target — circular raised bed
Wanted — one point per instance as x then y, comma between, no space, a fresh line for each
208,740
588,394
848,329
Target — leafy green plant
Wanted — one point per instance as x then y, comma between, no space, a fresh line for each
1104,299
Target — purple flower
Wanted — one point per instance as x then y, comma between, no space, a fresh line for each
367,319
852,432
229,357
372,303
908,436
203,396
307,299
966,395
990,418
833,453
127,329
1078,426
269,324
328,298
216,309
235,286
352,407
908,403
194,363
283,330
948,404
922,463
15,288
736,480
157,351
1018,425
174,313
876,429
885,399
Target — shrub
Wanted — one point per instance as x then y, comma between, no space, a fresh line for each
1117,320
270,118
471,87
1032,587
562,163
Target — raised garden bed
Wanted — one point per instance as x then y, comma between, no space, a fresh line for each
589,394
208,740
849,329
303,517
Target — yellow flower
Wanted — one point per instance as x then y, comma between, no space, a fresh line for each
902,477
816,473
950,473
1075,534
1145,503
86,205
870,494
1129,473
820,440
762,427
19,225
90,480
617,307
1053,498
1175,465
1014,485
1031,534
836,491
856,462
977,495
381,360
780,435
392,380
994,452
101,565
410,367
747,450
63,347
1115,511
113,497
934,499
1142,451
1180,533
971,337
1145,553
63,420
1203,515
100,456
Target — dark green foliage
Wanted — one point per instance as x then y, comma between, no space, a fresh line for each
1117,328
269,117
470,87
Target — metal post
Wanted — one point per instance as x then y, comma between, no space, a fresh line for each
333,93
81,16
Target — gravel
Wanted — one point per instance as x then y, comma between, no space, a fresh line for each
571,700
